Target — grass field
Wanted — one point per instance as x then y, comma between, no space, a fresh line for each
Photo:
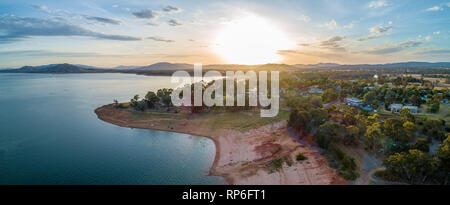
240,120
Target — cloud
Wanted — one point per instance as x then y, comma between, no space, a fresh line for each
332,43
437,33
428,38
174,22
16,28
377,4
146,14
104,20
156,38
394,48
380,29
115,6
42,8
151,24
377,32
330,25
304,18
171,9
435,8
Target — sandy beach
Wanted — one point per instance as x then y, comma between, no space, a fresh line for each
242,157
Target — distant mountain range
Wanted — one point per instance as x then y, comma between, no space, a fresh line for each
159,68
53,68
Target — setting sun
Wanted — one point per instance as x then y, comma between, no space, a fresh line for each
251,40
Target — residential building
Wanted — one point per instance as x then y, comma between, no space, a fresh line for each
353,102
395,107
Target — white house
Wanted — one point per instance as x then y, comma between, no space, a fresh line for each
395,107
353,101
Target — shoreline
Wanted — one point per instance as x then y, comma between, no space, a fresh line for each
211,171
235,160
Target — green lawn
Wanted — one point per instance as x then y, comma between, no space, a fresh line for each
243,120
217,119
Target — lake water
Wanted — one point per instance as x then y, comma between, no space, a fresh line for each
49,134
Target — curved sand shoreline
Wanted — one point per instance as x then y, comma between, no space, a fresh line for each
241,157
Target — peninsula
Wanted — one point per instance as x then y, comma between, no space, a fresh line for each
249,149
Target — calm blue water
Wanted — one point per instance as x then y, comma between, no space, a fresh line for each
49,134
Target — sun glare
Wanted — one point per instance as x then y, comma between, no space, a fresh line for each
251,40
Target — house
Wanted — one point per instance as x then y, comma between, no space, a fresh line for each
412,109
395,107
315,90
353,101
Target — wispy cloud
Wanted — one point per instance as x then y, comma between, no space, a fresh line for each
330,25
394,48
435,8
42,8
171,9
377,4
377,32
332,43
104,20
146,14
151,24
161,39
174,22
19,28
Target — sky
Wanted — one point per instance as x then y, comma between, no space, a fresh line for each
108,33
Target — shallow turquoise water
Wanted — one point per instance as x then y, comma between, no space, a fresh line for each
49,134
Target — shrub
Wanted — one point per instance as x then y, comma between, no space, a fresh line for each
124,105
300,157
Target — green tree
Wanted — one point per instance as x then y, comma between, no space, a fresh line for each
327,133
370,97
134,101
151,98
393,128
434,128
413,165
318,116
410,129
329,95
352,134
316,102
389,98
406,115
434,108
300,120
372,119
374,136
443,154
